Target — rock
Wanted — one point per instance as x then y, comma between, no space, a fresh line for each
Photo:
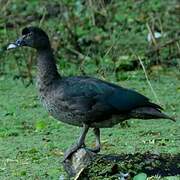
78,162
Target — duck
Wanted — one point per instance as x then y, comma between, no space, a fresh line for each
83,101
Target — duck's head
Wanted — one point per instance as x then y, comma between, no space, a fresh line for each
32,37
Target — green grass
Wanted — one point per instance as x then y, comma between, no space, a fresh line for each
32,142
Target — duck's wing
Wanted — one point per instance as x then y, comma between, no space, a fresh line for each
84,94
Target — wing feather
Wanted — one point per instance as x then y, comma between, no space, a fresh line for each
87,94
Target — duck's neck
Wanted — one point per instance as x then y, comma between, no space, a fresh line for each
47,70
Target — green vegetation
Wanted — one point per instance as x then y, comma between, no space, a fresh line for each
32,143
102,39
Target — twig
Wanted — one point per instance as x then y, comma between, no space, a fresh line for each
18,64
92,11
157,48
79,54
4,5
114,43
152,34
178,46
148,81
43,17
109,49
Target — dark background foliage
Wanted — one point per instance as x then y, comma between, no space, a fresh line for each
92,37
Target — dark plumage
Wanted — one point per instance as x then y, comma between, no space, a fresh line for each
83,101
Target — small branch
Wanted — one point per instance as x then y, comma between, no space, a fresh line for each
178,46
43,17
4,4
92,12
157,48
147,79
80,55
152,34
109,49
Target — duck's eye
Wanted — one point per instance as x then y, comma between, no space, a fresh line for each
29,34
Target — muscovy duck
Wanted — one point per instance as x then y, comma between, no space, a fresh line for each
83,101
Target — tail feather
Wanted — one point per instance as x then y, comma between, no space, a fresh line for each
164,116
156,106
149,113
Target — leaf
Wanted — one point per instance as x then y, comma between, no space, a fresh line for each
140,176
40,125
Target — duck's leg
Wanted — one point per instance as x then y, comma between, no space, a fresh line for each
78,144
98,143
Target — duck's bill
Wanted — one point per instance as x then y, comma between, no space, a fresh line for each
12,46
19,42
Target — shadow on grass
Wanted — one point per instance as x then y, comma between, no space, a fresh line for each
151,164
